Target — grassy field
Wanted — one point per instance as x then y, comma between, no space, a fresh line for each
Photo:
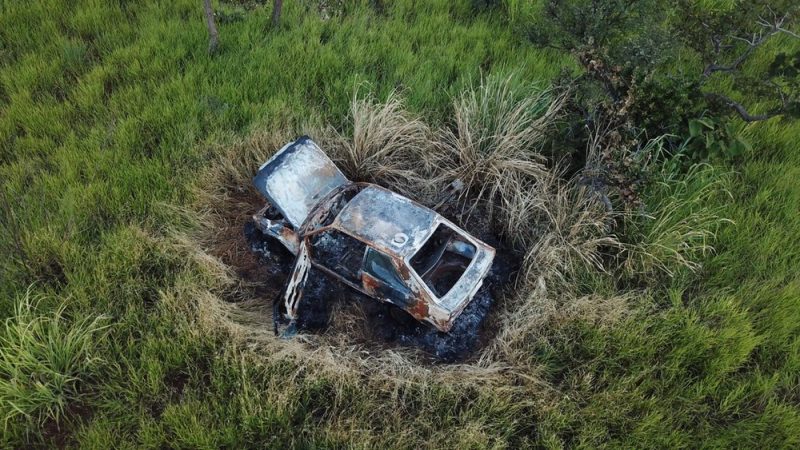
113,116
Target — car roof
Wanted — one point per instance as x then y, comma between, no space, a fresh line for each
388,221
296,178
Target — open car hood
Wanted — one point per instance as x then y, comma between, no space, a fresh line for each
296,178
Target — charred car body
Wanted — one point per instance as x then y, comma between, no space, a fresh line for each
367,237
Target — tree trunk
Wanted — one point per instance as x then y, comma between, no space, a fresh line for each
213,35
276,12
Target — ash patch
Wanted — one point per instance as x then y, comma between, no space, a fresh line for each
383,324
273,256
392,325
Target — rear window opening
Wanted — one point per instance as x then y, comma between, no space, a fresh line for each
443,260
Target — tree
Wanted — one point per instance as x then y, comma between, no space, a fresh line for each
213,34
631,89
725,41
277,6
640,37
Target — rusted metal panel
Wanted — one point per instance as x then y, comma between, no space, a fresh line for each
277,229
389,221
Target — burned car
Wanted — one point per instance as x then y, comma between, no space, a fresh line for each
371,239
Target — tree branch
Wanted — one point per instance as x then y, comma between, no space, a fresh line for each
771,28
743,112
752,45
777,24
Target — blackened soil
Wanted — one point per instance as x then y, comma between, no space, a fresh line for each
385,324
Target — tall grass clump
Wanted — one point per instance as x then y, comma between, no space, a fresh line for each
676,226
680,223
566,232
572,226
383,143
495,143
44,357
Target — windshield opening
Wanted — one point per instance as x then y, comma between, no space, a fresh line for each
443,260
337,203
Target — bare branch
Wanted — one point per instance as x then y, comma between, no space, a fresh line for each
778,27
789,32
742,111
771,28
776,24
753,43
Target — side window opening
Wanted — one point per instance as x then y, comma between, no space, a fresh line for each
443,259
380,267
340,253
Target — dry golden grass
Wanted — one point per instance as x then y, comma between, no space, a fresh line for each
495,145
385,144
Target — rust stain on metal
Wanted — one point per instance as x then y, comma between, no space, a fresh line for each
379,242
419,309
371,284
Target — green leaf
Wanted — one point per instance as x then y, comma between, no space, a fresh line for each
708,123
736,148
695,128
744,143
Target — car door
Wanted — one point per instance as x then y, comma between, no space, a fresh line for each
382,279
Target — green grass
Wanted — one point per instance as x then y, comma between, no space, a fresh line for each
42,360
108,110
